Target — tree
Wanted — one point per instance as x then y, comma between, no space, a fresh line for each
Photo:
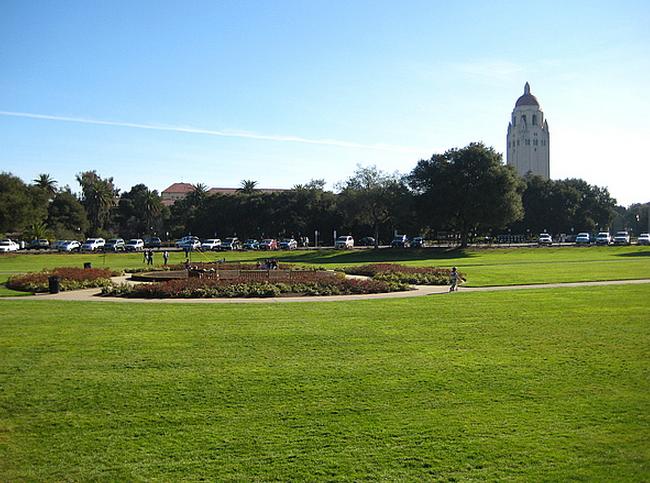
369,196
139,211
247,186
468,190
46,183
38,231
98,197
20,205
66,216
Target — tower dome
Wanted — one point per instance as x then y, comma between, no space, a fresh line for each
527,99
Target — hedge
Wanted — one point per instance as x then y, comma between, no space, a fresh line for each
70,279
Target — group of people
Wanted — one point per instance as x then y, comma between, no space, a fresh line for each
148,257
268,264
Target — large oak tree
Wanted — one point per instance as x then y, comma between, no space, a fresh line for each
467,190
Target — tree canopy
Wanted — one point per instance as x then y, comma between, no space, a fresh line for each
468,190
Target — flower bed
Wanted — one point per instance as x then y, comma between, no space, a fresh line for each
394,272
209,288
70,279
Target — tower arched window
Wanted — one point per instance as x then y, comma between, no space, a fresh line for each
534,120
523,118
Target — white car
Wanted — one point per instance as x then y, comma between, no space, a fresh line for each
8,245
211,244
92,244
583,239
644,239
345,241
189,243
545,239
622,238
134,245
603,238
68,245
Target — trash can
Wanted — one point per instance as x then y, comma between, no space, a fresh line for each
54,284
88,265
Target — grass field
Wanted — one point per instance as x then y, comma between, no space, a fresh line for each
506,266
531,385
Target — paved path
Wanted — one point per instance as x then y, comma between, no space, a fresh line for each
90,295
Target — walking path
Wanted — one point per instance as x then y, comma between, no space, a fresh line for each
90,295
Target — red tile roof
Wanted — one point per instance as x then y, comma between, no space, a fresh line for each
179,188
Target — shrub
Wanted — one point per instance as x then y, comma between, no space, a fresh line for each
394,272
70,279
207,288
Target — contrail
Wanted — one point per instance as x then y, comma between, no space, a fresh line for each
211,132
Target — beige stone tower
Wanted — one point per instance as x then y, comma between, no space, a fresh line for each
528,137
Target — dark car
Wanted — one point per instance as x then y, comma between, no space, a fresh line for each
251,244
152,242
114,245
40,243
269,244
367,241
418,242
231,243
400,241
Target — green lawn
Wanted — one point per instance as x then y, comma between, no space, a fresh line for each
529,385
505,266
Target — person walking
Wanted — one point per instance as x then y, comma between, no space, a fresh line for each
165,257
145,256
150,262
455,280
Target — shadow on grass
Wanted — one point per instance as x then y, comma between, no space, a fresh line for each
374,256
645,253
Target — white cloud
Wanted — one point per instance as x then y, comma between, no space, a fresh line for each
219,133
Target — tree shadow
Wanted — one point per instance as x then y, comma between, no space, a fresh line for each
323,257
634,254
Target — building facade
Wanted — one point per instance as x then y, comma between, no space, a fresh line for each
178,191
528,137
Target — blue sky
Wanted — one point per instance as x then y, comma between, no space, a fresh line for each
285,91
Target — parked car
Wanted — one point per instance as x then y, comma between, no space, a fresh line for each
288,244
92,244
603,238
69,246
545,239
41,243
269,244
189,243
583,239
114,245
418,242
400,241
251,244
644,239
622,238
152,242
211,244
344,242
7,245
367,241
231,243
134,245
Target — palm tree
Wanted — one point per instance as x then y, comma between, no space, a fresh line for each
98,197
46,183
247,186
151,208
199,193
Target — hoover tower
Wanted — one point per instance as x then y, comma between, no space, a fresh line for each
528,137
